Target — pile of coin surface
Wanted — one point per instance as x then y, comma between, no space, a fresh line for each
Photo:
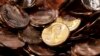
49,27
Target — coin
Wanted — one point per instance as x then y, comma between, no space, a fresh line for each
91,4
55,34
72,23
30,35
43,17
14,17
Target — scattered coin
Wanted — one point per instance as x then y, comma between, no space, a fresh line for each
14,17
72,23
43,17
55,34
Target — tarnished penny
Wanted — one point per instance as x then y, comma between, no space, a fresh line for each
55,34
14,17
30,35
43,17
10,40
71,22
88,48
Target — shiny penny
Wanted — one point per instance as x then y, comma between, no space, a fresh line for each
55,34
72,23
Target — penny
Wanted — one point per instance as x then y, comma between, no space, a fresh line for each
55,34
30,35
43,17
72,23
14,17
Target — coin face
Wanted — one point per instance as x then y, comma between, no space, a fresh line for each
30,35
55,34
72,23
14,17
43,17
